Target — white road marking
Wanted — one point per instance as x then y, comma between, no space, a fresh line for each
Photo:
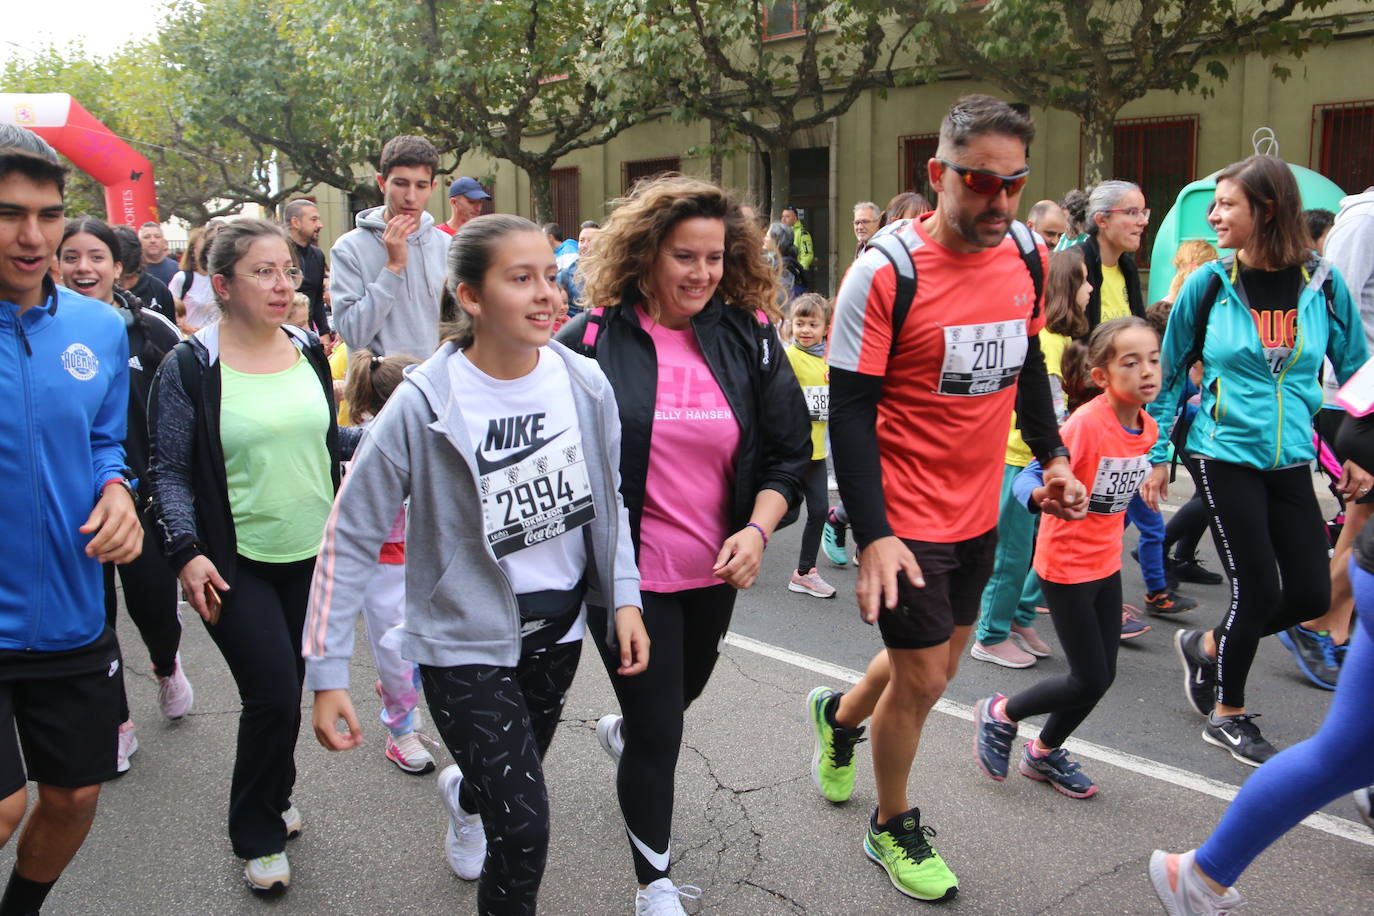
1326,823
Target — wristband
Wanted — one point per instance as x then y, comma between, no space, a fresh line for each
119,481
759,528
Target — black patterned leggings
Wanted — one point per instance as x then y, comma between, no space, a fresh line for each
498,723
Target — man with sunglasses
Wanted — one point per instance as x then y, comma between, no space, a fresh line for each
919,464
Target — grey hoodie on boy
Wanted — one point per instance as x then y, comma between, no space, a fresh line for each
1350,246
460,609
385,312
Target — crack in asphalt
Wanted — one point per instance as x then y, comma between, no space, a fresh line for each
1094,879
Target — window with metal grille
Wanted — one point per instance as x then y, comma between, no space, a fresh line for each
640,169
1345,132
567,199
784,20
1160,155
917,150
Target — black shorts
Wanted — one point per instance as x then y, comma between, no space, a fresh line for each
65,707
955,576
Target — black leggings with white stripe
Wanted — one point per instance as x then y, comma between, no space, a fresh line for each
498,724
1272,540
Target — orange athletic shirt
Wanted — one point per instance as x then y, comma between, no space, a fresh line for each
1112,463
950,388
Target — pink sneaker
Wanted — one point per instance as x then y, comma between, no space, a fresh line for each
174,693
1029,641
1005,653
128,744
811,584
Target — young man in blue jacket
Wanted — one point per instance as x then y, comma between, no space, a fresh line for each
67,509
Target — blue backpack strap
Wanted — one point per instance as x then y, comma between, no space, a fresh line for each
904,268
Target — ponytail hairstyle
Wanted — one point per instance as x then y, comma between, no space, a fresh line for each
1099,351
1063,315
227,243
372,379
469,258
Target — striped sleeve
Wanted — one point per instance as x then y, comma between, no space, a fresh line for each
861,334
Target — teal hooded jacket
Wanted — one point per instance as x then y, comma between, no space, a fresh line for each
1251,414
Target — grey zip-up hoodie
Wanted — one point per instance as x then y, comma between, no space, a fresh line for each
1350,246
385,312
460,608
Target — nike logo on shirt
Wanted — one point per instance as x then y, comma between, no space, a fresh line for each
485,466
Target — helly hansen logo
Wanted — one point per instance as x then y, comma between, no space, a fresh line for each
513,432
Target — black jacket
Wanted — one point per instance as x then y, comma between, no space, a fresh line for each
311,259
150,338
746,358
189,486
1092,258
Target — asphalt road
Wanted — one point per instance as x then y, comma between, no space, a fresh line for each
750,828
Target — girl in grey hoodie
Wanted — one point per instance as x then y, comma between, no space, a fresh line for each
508,446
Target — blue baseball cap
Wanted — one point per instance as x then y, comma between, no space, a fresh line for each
469,188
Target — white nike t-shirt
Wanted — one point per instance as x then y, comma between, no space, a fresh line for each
536,495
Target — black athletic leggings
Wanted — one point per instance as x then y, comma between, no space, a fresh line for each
1272,540
1184,531
817,507
150,597
685,632
498,724
1087,619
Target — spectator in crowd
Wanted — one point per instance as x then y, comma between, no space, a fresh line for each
866,219
801,238
1048,220
156,261
1319,223
149,290
303,225
465,198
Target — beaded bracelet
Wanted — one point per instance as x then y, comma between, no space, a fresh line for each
759,528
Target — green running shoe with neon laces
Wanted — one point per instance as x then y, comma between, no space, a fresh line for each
832,765
902,847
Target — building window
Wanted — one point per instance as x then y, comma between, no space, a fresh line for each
1160,155
640,169
1343,141
916,152
784,20
567,199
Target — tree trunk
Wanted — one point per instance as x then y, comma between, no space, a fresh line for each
1098,136
780,174
541,190
717,157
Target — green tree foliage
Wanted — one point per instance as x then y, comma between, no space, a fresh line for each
723,60
1091,58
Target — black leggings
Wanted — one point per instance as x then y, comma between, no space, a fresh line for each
1087,619
259,635
1184,531
1272,540
150,597
817,507
498,724
685,632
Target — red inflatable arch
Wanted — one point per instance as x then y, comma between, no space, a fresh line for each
130,197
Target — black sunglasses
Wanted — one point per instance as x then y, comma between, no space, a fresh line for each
985,183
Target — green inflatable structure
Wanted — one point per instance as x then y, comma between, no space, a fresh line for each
1187,219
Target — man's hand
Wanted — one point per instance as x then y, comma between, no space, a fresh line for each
118,534
633,639
398,228
879,564
1155,489
330,707
1065,496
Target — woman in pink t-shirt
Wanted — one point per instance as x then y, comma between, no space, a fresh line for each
680,298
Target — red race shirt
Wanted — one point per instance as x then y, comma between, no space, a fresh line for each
1112,463
949,390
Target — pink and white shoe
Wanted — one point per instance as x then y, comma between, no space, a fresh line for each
128,745
174,693
811,584
1029,641
408,753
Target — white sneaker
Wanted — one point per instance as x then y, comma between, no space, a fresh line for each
268,873
465,846
608,733
664,898
291,817
128,744
1182,890
408,753
174,693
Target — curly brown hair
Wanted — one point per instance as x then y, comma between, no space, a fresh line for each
628,246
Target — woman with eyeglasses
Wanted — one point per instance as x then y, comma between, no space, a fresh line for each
245,464
1260,320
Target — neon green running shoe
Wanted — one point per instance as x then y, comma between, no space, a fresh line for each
832,765
904,850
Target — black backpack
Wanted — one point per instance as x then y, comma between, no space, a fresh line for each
904,267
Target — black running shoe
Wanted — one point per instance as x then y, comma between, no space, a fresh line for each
1241,736
1199,672
1192,570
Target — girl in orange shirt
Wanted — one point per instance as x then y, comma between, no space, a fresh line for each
1079,561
